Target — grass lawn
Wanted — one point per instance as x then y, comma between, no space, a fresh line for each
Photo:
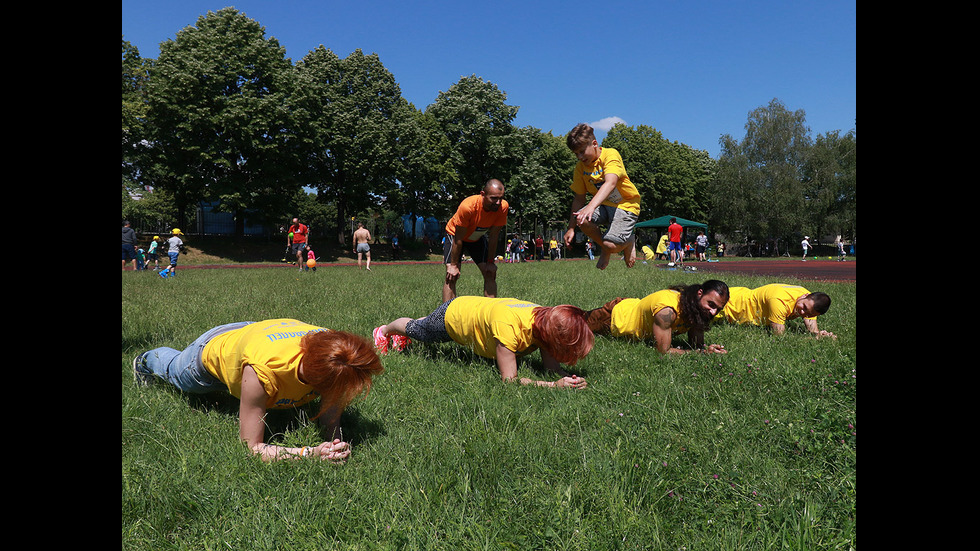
754,449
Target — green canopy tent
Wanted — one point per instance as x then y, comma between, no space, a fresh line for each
664,221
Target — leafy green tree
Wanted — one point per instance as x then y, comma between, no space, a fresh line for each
135,74
353,107
759,180
538,188
477,124
425,169
830,185
671,177
222,125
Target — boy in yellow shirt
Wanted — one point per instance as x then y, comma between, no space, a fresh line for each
664,314
615,201
774,304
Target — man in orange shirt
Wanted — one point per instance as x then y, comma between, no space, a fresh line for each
474,229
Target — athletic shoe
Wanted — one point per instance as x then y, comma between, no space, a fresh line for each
380,341
400,342
141,378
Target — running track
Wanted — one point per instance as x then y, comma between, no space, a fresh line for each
817,270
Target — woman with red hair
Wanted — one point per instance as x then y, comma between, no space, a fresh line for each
502,329
272,364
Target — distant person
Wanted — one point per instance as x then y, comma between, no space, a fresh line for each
661,251
310,258
701,248
502,329
152,254
806,245
298,235
615,201
272,364
840,250
362,245
128,245
648,253
676,251
539,248
553,248
590,249
662,315
774,304
396,246
474,229
721,249
174,246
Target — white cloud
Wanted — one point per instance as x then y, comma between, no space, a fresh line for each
605,124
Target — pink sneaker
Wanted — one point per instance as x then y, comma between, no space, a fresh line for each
380,341
400,342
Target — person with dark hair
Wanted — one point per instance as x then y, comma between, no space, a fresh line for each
663,315
272,364
474,229
502,329
774,304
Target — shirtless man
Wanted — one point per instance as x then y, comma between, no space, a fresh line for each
362,238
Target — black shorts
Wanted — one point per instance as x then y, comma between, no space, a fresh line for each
476,249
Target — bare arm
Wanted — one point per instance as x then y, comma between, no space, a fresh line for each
507,364
577,202
251,418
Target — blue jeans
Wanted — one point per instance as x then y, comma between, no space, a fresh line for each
184,369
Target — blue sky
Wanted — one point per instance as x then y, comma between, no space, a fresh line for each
691,69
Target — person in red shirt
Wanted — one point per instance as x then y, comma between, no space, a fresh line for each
474,229
299,233
674,248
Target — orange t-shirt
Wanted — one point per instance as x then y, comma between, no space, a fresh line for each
470,215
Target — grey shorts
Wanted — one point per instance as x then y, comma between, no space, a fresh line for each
363,248
621,223
431,328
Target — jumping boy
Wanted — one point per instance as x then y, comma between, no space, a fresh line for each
615,201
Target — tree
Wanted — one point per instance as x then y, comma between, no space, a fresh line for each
830,185
354,107
671,177
476,122
759,179
222,125
538,188
135,74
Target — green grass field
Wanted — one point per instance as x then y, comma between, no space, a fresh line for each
754,449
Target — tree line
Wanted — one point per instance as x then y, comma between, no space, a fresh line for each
223,116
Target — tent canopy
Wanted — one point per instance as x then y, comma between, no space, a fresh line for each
664,221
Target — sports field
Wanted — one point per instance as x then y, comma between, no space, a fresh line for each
754,449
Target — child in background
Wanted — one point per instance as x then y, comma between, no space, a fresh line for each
173,251
151,254
310,256
140,259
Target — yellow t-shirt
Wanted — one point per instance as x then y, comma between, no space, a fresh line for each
478,322
587,177
271,347
771,303
633,317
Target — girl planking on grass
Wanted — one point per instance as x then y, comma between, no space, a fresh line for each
272,364
502,329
